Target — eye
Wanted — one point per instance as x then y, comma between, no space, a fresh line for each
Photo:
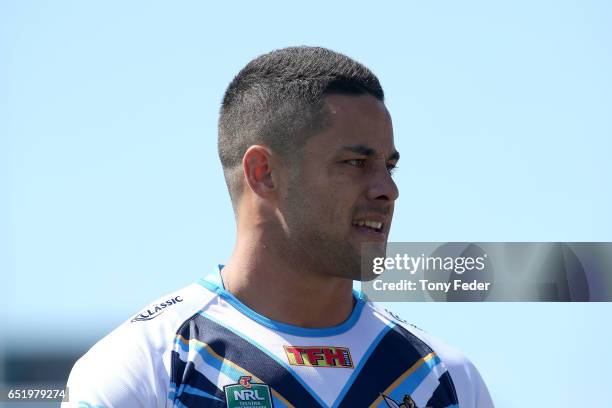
391,168
356,162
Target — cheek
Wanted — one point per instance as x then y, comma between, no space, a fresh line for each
340,206
330,197
324,207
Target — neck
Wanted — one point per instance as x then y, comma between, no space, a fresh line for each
283,290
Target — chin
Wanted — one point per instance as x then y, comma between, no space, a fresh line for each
369,251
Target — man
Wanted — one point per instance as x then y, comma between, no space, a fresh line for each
306,145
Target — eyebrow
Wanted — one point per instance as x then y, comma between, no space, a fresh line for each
368,151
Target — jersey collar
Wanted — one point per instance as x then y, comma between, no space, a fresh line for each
214,282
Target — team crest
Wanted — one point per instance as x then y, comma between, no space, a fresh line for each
407,402
248,394
323,356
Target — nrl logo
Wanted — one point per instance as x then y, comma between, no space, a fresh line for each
247,393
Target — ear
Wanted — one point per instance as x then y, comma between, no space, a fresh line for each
257,166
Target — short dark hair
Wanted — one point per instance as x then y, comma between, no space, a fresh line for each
277,100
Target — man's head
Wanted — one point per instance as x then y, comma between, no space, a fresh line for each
305,136
277,100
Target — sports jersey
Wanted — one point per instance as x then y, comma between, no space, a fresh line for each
201,347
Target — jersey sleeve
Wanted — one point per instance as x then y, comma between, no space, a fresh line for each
131,366
112,374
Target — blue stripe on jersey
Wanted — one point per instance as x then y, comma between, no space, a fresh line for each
364,359
283,364
209,283
209,358
195,391
396,352
441,397
85,404
414,379
181,371
225,366
236,348
187,398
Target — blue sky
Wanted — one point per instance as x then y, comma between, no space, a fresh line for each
112,193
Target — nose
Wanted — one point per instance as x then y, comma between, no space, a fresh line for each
382,187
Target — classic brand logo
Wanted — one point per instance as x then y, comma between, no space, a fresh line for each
247,394
156,309
319,356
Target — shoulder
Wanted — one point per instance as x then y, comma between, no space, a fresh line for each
130,366
470,387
